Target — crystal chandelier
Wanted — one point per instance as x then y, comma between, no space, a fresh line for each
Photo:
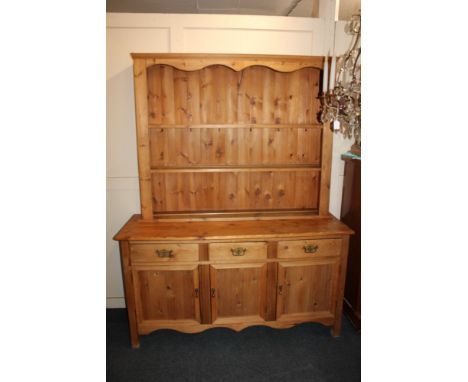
341,101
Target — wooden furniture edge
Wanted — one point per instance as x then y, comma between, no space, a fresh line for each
237,62
143,141
131,231
336,328
129,293
325,173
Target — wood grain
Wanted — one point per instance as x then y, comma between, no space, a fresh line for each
294,249
167,293
272,277
306,287
129,292
336,329
197,61
234,190
223,251
219,95
205,300
325,173
148,253
137,229
141,114
238,292
233,146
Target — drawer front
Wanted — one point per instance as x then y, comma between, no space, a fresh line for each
237,251
161,252
309,249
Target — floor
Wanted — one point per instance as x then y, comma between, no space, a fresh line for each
305,352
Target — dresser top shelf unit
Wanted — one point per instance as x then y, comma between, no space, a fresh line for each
230,136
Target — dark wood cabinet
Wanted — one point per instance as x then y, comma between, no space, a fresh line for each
351,216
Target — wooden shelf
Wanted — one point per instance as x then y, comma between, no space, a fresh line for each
237,126
259,168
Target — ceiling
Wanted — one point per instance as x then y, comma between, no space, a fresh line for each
297,8
243,7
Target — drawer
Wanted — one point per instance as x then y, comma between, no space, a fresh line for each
309,248
161,252
237,251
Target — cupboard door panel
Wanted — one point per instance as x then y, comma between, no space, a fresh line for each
238,292
306,289
167,293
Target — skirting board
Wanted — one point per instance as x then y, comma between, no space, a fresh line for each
115,302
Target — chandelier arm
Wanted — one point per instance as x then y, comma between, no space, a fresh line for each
355,62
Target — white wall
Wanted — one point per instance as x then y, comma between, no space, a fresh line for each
181,33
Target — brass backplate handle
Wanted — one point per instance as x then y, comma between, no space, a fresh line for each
196,292
213,292
239,251
310,248
164,252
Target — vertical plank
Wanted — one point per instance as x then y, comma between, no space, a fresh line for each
268,97
193,97
129,292
159,192
280,289
205,303
207,97
167,82
212,291
197,307
220,92
325,172
154,94
231,96
203,251
144,159
336,328
294,96
281,101
181,113
242,112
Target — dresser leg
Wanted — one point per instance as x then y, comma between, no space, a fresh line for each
336,328
134,338
129,293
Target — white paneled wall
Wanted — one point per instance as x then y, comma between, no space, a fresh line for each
182,33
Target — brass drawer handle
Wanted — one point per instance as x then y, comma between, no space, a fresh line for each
164,252
239,251
310,248
213,292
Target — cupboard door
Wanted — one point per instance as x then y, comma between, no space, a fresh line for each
238,292
307,289
167,293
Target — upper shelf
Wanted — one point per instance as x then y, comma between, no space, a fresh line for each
237,62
